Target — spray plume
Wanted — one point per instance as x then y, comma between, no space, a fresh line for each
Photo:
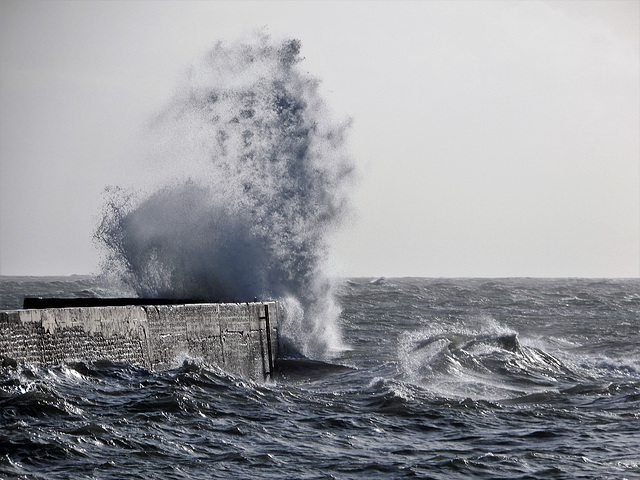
252,177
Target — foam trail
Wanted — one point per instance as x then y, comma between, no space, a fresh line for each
251,178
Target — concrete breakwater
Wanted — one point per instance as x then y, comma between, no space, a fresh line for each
240,338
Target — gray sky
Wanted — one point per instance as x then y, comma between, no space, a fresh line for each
493,138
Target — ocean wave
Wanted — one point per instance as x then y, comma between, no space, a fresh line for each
486,361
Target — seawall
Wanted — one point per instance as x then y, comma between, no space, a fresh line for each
240,338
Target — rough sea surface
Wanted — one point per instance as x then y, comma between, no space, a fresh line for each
443,379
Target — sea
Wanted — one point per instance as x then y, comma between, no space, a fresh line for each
516,378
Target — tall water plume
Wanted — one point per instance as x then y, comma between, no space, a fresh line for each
251,178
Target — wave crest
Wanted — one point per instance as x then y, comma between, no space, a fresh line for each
487,362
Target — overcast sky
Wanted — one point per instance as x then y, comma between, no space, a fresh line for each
493,138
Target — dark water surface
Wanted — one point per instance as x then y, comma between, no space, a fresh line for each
470,378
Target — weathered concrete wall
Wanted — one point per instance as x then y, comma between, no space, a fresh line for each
233,336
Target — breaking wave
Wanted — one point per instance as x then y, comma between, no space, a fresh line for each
486,361
249,177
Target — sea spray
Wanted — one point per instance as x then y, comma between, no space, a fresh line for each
251,176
